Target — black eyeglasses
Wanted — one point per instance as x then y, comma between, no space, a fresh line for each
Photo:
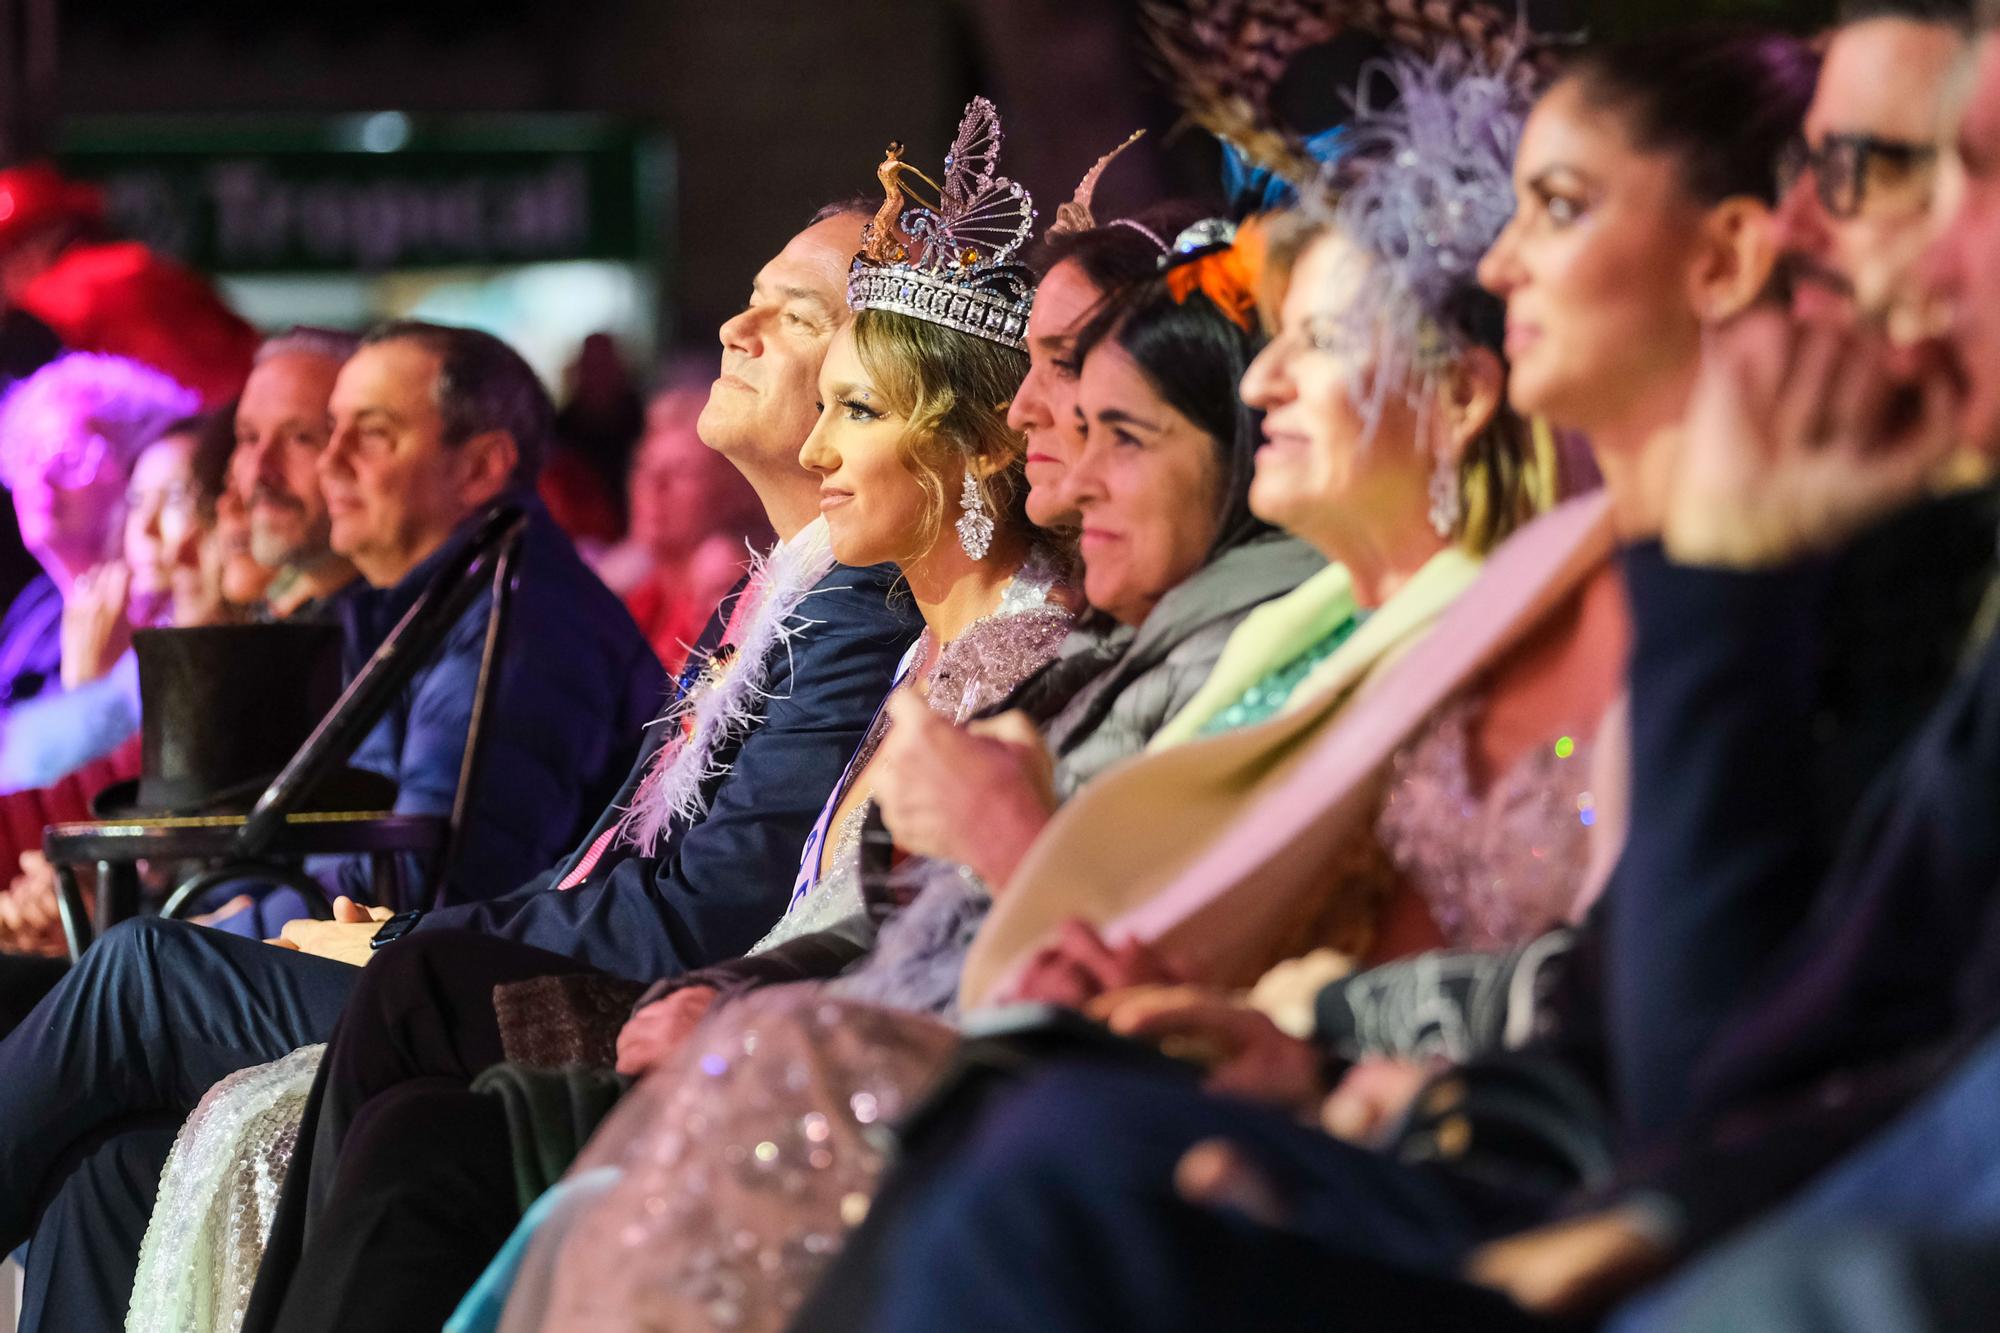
1846,168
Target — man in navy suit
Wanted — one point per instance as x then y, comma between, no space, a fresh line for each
156,1012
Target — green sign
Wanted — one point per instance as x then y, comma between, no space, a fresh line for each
377,192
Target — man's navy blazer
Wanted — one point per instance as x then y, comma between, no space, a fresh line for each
715,886
576,681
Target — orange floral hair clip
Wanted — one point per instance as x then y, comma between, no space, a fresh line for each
1218,259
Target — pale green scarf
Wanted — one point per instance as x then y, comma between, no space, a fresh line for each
1280,631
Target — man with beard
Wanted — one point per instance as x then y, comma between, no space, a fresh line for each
1859,181
281,430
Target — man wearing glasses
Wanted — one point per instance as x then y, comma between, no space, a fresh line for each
1858,183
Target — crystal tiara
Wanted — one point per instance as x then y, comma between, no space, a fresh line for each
950,262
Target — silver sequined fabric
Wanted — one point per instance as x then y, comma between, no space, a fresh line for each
217,1197
1499,866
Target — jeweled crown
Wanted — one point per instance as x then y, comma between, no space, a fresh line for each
951,261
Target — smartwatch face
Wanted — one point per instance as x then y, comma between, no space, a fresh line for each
394,928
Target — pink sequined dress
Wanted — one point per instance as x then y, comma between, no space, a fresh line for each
743,1163
1495,867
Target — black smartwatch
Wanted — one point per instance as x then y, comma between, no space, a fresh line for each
396,927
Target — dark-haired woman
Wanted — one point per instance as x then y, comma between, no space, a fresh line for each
1643,188
1079,268
1130,668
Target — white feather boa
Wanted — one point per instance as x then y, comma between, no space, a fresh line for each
723,704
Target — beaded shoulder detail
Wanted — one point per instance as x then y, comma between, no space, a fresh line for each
1000,650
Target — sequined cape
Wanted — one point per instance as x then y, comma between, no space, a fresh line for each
218,1195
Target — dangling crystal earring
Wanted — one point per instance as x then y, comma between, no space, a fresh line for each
975,525
1447,507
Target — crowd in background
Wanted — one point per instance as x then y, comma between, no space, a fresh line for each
1414,752
139,502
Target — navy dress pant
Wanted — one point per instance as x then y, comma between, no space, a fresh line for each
151,1018
1060,1215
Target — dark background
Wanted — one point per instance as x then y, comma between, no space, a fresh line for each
773,106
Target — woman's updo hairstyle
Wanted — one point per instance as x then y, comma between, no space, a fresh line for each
1724,101
1193,355
953,390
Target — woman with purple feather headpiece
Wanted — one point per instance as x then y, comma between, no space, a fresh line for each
1388,446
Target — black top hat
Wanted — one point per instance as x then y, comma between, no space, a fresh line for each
222,709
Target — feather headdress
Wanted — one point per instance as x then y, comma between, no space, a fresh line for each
1225,58
1422,193
1418,179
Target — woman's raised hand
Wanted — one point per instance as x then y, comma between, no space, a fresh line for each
978,795
96,630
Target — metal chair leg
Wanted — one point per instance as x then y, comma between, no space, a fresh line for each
117,892
76,927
